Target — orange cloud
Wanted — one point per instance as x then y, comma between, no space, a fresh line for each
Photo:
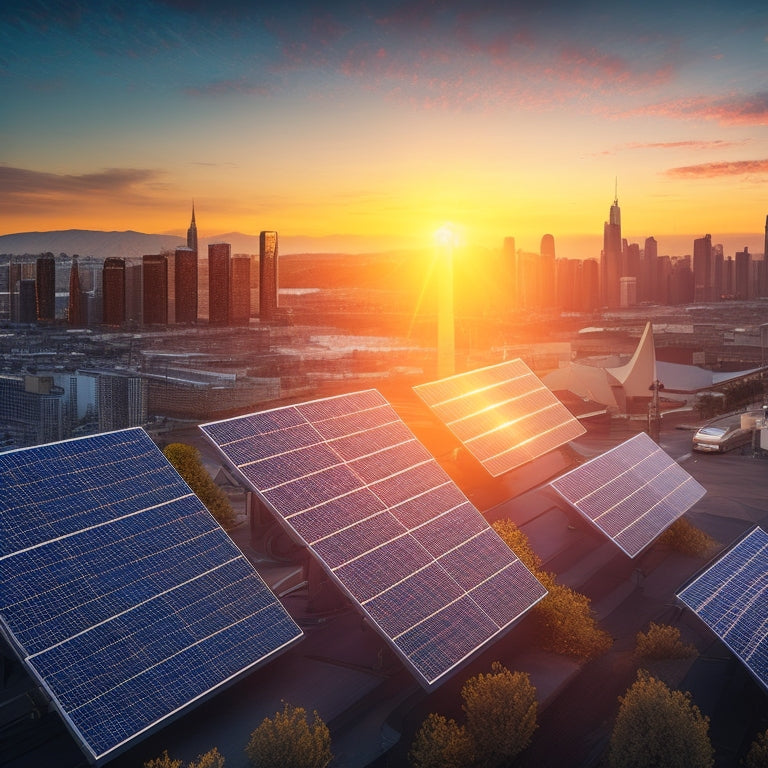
712,170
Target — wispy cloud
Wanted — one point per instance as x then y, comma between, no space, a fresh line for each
712,170
23,181
734,109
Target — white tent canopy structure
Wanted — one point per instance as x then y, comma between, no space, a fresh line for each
617,386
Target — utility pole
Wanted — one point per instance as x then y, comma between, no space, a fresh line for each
654,414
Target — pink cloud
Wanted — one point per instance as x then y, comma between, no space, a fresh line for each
713,170
736,109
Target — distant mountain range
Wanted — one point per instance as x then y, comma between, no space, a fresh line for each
85,242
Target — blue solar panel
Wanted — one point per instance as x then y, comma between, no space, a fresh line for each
120,592
347,477
632,493
502,414
731,598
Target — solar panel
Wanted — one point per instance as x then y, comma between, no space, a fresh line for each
631,493
120,593
348,479
502,414
731,598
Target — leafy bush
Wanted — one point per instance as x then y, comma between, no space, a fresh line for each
757,757
662,641
564,615
288,739
517,541
501,709
186,461
441,743
684,537
657,726
568,624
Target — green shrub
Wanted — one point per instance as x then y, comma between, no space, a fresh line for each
684,537
662,641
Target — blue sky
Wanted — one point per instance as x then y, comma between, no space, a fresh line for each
380,121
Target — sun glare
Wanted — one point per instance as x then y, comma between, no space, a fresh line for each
447,236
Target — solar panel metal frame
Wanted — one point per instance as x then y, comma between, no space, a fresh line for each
727,613
509,392
60,649
376,460
603,479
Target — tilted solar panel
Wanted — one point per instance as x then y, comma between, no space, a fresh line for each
350,481
503,414
731,598
120,592
632,493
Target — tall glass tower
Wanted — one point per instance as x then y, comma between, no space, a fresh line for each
192,232
218,283
267,275
610,263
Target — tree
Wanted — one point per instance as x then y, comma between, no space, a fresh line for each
757,757
517,541
186,461
211,759
657,726
565,616
289,739
164,761
684,537
500,708
662,641
441,743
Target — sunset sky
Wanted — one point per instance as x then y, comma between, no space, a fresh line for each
378,122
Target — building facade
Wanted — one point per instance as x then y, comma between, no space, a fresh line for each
113,291
218,283
154,268
185,283
268,275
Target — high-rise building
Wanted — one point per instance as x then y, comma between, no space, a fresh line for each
154,269
610,262
743,274
649,266
75,314
218,283
122,401
27,301
268,275
45,285
134,292
703,273
547,272
192,232
185,284
113,291
240,289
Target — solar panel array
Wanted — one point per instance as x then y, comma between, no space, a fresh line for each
347,477
731,598
632,493
119,591
502,414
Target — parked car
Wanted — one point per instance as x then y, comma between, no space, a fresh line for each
719,438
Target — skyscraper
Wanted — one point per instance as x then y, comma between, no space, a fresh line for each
218,283
240,289
547,272
45,286
610,263
185,283
702,269
268,275
192,232
75,313
154,269
113,290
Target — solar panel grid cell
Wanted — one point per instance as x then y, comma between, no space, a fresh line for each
387,561
632,492
503,414
731,597
134,589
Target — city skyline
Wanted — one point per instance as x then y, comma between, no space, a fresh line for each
375,124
